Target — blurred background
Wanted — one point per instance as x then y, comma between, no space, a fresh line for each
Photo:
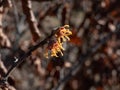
91,58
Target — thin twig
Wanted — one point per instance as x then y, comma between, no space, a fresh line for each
53,6
65,12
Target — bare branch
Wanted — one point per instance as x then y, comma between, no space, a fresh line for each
27,5
65,12
19,60
4,41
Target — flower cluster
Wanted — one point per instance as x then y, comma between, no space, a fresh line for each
63,33
56,46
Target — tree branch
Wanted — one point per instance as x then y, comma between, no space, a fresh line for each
19,60
4,41
27,5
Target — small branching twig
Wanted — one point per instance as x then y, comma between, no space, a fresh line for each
53,6
65,11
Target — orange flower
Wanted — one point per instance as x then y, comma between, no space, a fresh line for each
63,33
54,48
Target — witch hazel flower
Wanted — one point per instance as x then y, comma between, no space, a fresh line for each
56,46
53,49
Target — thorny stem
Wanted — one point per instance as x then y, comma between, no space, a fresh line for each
19,60
83,58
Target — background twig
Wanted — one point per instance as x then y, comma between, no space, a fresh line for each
27,9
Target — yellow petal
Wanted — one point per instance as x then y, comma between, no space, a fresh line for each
59,40
61,52
66,26
63,38
67,38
